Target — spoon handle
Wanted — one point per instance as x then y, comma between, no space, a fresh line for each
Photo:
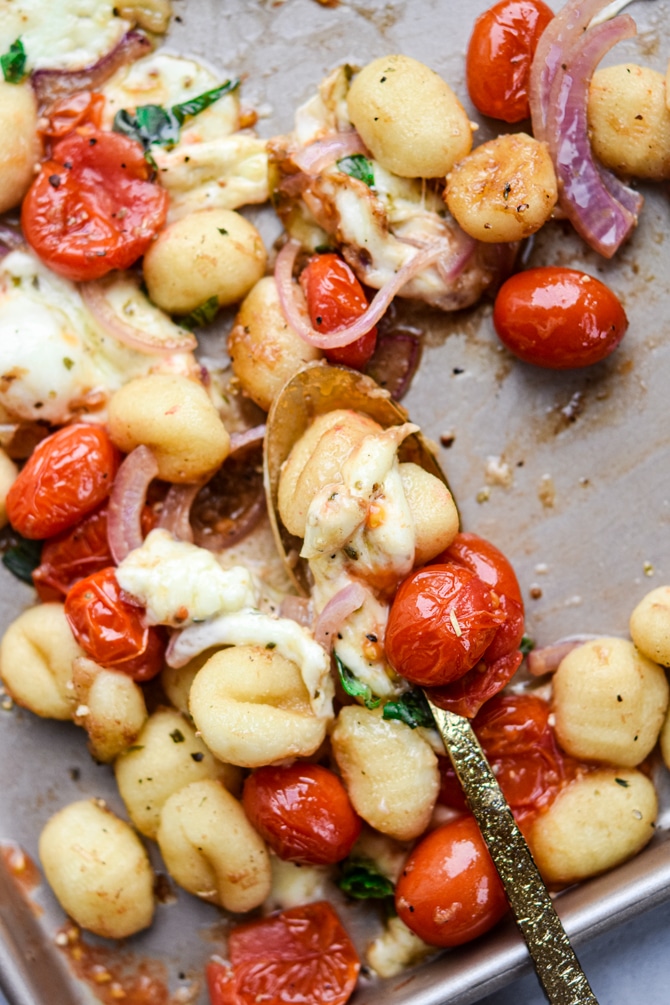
556,964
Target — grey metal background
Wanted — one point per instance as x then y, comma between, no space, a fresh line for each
594,444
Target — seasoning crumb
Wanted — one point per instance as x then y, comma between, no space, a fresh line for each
648,569
483,495
535,591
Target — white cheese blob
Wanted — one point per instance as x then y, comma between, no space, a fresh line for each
62,35
181,584
252,628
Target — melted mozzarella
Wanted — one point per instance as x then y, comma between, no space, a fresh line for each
180,584
62,35
252,628
56,363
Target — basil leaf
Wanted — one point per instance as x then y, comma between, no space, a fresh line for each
355,687
13,63
362,880
410,708
202,315
23,558
526,645
152,125
358,166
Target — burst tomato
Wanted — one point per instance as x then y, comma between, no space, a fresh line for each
449,891
72,111
73,555
92,207
303,812
500,53
335,298
442,620
301,955
111,630
558,318
66,477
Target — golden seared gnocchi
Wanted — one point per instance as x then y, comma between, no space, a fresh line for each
264,350
212,254
599,821
21,149
316,460
211,849
98,869
36,657
167,756
409,117
152,15
8,473
609,702
650,625
433,512
504,190
110,706
251,707
629,121
665,741
175,417
389,770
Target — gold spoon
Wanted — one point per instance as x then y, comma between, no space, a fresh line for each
319,388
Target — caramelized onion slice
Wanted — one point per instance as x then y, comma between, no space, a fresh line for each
126,501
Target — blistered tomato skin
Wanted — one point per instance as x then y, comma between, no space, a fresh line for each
111,630
66,477
303,812
335,298
500,54
449,891
442,620
558,318
73,555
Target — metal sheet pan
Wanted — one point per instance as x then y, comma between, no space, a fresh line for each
567,472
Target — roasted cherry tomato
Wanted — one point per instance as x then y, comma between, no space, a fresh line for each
558,318
66,477
92,207
519,743
111,630
449,891
303,812
299,956
335,298
442,620
70,112
500,54
73,555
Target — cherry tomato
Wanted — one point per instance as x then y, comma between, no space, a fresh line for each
66,477
73,555
299,956
558,318
92,208
335,298
519,744
303,812
441,621
500,53
111,630
449,891
72,111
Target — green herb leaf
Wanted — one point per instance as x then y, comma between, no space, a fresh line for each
622,782
177,736
526,645
410,708
13,63
355,687
358,166
362,880
152,125
202,315
22,559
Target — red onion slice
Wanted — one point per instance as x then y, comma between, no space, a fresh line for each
172,339
394,361
597,213
298,609
126,501
322,153
247,438
52,84
548,659
336,611
176,511
294,308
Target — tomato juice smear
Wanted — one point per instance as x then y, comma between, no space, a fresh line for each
22,869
